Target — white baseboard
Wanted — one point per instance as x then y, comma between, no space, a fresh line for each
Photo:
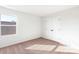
16,42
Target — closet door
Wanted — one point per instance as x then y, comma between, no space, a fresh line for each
57,28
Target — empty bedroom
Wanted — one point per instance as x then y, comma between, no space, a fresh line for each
39,29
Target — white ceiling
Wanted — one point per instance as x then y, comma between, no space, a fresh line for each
39,10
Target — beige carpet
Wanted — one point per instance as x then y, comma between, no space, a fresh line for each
66,49
41,47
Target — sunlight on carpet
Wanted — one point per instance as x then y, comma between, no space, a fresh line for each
66,49
41,47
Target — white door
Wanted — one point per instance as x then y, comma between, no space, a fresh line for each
57,28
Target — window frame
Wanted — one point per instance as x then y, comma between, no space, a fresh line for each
7,25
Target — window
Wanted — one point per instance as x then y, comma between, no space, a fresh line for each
8,25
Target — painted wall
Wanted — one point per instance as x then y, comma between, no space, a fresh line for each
28,27
65,26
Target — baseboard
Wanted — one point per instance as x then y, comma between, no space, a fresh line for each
54,41
24,40
16,42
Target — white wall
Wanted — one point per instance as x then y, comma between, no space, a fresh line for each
65,25
28,27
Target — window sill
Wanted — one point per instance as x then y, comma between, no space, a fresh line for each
8,35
